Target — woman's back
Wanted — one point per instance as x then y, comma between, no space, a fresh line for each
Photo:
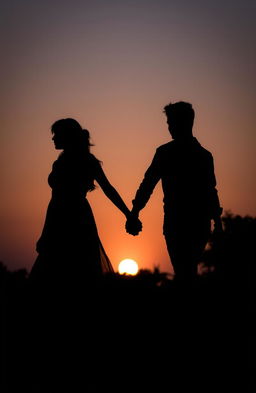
73,175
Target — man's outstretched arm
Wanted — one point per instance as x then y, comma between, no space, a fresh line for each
151,178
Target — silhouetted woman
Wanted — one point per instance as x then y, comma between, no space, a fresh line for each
69,247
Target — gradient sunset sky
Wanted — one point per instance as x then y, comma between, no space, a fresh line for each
113,65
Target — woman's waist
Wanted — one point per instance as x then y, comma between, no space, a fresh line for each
68,195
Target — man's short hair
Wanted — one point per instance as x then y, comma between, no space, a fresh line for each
181,112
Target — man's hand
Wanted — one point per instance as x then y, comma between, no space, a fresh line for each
218,232
218,229
133,225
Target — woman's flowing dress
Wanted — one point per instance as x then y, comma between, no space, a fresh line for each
69,248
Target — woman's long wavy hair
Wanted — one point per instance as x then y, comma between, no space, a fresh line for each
77,143
77,137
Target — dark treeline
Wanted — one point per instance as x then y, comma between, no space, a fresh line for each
132,334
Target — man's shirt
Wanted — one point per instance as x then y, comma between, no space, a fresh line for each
186,170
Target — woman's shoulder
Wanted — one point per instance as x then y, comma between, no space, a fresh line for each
93,160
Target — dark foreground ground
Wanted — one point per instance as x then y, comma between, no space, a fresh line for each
127,335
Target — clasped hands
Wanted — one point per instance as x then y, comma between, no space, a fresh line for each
133,225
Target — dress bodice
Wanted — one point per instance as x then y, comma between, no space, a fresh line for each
72,176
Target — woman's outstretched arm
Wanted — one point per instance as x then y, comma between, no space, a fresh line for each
111,192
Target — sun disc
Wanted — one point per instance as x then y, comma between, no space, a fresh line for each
128,266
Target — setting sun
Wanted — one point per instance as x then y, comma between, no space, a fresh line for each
128,266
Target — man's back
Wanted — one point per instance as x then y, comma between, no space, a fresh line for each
188,180
187,173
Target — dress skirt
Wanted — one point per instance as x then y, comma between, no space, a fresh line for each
69,249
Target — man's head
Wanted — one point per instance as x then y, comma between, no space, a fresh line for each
180,119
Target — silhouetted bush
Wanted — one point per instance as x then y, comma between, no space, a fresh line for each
232,255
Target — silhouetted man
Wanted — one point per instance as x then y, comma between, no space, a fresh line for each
190,198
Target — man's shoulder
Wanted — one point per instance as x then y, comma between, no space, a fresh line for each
166,147
204,151
173,147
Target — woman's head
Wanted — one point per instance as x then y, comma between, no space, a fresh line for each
69,135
